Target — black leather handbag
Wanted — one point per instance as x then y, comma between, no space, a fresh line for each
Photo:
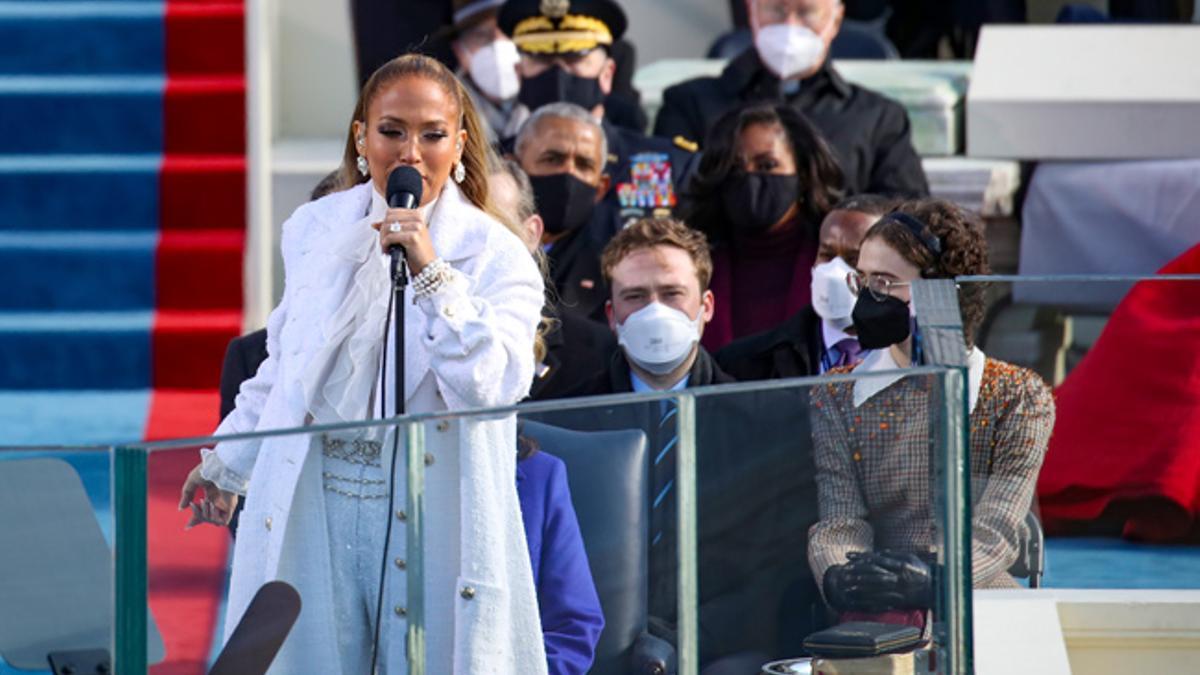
859,639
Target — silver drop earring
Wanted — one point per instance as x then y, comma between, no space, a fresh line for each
363,168
460,173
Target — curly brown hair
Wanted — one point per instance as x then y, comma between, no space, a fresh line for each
964,251
651,232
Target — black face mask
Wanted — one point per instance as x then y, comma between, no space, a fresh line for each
755,201
555,85
563,201
880,323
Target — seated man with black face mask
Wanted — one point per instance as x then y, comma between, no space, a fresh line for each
575,347
562,149
565,57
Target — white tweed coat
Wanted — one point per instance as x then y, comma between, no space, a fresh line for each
469,345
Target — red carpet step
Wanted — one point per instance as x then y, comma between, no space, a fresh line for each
202,192
205,38
199,270
186,568
189,347
205,115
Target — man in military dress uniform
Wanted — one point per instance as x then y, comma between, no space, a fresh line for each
564,47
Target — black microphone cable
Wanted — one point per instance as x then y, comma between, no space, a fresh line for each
404,189
396,304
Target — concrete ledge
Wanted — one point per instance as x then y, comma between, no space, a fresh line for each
1104,631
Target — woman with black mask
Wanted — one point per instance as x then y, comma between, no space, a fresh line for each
764,184
871,435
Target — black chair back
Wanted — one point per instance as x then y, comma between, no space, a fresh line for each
862,41
608,474
1031,556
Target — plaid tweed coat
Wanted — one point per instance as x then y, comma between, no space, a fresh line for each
873,471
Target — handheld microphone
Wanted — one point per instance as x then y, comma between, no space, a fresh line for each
261,631
403,192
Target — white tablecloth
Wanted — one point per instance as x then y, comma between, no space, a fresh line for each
1129,217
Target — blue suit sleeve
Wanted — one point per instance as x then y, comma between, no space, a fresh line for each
570,608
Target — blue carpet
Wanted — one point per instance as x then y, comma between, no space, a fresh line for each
1114,563
81,138
89,115
72,417
46,38
64,270
84,192
61,350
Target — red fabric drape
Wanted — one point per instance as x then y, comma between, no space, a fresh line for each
1126,447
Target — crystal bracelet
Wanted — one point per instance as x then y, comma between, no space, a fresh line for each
435,275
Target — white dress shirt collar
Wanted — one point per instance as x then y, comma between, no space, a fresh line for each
881,361
640,386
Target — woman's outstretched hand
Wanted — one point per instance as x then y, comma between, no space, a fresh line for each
216,507
406,227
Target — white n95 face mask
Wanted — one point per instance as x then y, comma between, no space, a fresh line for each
658,338
788,49
831,297
494,69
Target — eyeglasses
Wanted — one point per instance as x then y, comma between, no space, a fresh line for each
879,287
778,11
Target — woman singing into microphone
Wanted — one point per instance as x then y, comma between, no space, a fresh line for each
317,505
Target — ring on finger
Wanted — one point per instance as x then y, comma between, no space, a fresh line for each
394,227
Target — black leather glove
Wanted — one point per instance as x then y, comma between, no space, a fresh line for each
852,587
879,582
888,580
835,585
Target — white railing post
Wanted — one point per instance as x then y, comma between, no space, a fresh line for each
258,272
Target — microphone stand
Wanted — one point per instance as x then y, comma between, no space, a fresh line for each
399,282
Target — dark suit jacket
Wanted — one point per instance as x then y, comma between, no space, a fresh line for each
791,349
756,501
615,378
869,133
385,29
243,356
576,349
575,273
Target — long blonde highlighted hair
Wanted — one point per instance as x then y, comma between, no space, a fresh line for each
478,158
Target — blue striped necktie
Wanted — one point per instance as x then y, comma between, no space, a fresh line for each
663,472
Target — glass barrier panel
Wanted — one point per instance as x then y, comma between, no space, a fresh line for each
325,510
810,498
745,468
681,520
56,557
611,469
1117,489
